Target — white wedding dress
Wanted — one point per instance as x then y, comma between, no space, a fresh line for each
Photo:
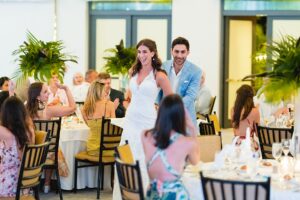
140,115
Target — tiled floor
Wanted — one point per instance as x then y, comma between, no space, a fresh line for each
86,194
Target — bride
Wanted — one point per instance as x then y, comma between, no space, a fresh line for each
147,78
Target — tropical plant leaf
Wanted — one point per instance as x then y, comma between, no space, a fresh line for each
284,70
121,59
40,59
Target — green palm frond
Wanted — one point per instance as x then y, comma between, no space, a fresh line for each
284,70
40,59
121,60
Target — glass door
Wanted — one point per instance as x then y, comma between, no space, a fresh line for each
107,30
238,63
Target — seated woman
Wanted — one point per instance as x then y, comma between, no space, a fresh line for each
95,107
16,130
37,107
57,96
4,83
167,149
79,88
244,114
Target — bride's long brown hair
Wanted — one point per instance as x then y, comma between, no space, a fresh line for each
156,61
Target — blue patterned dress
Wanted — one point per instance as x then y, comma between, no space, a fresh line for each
167,190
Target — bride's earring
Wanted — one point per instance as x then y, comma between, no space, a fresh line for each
41,105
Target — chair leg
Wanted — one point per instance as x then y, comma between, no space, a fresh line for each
102,177
75,177
36,193
18,193
58,184
98,180
112,173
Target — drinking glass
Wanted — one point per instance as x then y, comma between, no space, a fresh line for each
276,150
285,146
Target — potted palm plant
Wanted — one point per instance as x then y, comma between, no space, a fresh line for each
120,61
39,59
283,73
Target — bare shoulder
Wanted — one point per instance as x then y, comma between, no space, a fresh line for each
5,134
146,138
110,103
189,141
255,111
161,75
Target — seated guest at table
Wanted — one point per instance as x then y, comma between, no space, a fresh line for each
268,109
5,94
91,75
4,83
167,148
79,88
16,130
244,114
57,96
203,99
95,107
114,95
37,107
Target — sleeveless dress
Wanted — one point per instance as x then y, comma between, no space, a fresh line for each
9,169
140,115
167,190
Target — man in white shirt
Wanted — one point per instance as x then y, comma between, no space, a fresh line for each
184,76
114,95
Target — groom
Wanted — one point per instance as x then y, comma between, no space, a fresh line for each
184,76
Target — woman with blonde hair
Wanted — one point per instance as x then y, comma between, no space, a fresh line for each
95,107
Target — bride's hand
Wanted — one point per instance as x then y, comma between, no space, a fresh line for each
189,124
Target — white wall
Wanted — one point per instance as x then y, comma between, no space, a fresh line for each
200,22
15,19
38,17
197,20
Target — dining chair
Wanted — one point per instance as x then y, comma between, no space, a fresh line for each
110,138
30,172
214,118
41,136
208,146
207,128
219,189
53,126
130,180
269,135
124,153
211,107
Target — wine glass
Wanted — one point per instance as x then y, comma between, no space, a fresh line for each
276,150
285,146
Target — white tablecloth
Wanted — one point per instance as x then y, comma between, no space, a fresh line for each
192,182
73,137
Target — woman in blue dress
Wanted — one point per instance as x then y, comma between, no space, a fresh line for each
168,147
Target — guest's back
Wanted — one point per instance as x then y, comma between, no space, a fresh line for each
251,119
175,154
95,107
167,149
244,114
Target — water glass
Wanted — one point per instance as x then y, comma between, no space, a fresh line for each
276,150
285,146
